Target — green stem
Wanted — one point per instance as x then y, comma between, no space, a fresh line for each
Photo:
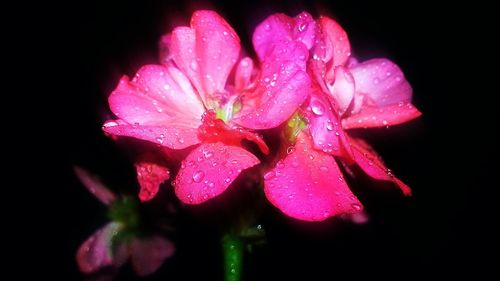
233,257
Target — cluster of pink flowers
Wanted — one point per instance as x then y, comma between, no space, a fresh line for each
205,98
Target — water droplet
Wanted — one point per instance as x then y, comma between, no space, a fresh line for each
180,140
227,180
356,206
376,81
198,176
384,122
311,156
211,184
208,154
191,163
317,108
280,165
269,175
234,162
267,27
166,87
337,134
225,33
341,178
329,126
290,150
323,168
194,65
302,27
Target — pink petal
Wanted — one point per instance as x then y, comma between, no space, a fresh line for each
280,28
382,82
150,175
308,185
372,117
148,254
342,90
171,137
372,165
333,41
157,96
243,73
95,186
206,52
209,170
96,252
217,46
282,88
324,125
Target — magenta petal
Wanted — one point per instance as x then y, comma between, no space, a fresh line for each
382,82
147,254
150,175
280,28
96,252
157,96
95,186
324,125
343,88
372,117
217,47
282,88
372,165
308,185
243,73
334,42
171,137
209,170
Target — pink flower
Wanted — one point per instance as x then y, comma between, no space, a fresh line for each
307,183
109,246
175,105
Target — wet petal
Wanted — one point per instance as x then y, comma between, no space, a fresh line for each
217,47
147,254
324,125
308,185
157,96
243,73
282,88
333,42
96,252
95,186
280,28
150,175
372,117
206,52
209,170
372,165
342,91
171,137
382,82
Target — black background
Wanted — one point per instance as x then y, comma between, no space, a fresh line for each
441,230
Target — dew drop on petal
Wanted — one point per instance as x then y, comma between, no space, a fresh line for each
356,206
198,176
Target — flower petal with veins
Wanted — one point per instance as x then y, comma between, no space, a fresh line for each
373,117
209,170
171,137
308,185
282,88
157,96
381,81
206,52
280,29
